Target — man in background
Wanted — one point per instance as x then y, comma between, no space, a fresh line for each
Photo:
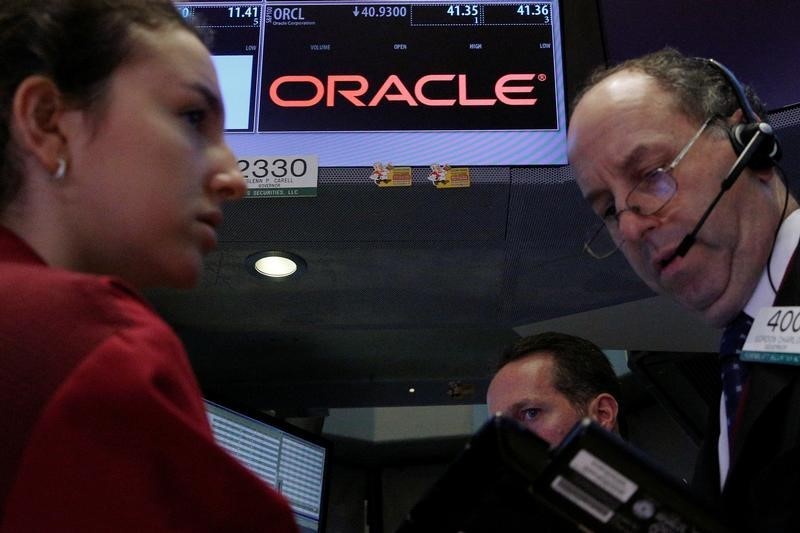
673,155
550,381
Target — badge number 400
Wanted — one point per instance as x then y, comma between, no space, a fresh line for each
785,320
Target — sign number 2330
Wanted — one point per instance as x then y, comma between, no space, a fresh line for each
278,167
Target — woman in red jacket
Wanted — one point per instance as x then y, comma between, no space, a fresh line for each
113,168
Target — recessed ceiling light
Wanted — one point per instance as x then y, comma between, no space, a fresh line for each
276,267
274,264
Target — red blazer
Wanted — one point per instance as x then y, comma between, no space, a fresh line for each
103,425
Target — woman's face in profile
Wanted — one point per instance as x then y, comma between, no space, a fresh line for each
149,166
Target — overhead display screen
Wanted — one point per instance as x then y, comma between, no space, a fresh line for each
413,83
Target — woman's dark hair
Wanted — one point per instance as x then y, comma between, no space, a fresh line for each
76,43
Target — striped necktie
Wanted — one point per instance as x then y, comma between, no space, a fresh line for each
734,371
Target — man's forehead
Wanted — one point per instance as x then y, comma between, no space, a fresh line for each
618,117
522,382
621,86
540,364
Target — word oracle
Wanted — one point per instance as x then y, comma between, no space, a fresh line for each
352,87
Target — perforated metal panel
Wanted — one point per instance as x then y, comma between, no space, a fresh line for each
401,282
350,207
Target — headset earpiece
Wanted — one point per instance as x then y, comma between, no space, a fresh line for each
770,151
767,154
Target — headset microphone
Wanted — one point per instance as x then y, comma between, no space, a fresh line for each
762,133
753,140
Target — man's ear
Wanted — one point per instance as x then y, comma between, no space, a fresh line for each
35,112
736,118
603,410
763,174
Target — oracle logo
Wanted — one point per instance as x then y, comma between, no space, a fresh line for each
353,88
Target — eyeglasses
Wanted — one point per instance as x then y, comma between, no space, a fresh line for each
651,194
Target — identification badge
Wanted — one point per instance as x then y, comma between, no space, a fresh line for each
774,337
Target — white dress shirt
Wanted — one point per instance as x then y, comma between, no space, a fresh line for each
763,296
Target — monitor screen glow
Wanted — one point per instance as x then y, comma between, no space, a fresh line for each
413,83
288,459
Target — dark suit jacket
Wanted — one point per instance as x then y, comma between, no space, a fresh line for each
763,482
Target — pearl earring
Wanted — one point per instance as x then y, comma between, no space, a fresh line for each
61,170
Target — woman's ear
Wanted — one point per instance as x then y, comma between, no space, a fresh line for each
603,410
35,112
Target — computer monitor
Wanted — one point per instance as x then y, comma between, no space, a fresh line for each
508,479
686,384
412,83
291,460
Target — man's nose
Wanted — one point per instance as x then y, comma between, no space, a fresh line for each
633,225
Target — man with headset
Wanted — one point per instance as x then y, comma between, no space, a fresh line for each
671,155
